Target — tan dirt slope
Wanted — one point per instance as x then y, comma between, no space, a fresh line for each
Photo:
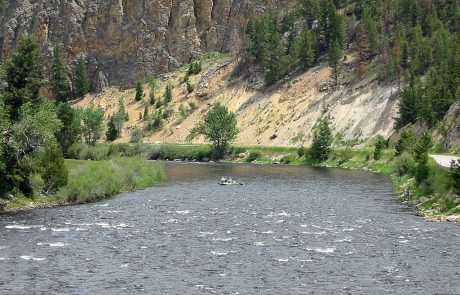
282,115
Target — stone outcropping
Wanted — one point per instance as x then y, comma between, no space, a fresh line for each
126,40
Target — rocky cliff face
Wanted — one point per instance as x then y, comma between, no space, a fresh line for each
125,40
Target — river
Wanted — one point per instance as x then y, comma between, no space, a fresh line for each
287,230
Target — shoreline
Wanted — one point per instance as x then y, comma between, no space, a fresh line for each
93,181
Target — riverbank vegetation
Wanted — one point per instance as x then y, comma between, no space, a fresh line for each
37,132
90,181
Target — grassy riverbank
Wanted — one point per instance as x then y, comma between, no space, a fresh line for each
94,180
114,168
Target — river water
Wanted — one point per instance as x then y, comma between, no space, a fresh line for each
287,230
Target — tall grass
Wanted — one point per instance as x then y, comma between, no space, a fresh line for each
93,180
106,151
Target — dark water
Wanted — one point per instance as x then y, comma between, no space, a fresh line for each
286,231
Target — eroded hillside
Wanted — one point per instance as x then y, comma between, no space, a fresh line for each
282,115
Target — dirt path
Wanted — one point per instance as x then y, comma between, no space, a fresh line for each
444,161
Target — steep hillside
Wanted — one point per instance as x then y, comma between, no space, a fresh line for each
281,115
128,40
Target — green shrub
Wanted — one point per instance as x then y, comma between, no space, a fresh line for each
368,157
137,135
183,111
195,67
55,173
344,155
83,151
287,159
190,87
235,150
301,151
405,164
379,145
254,155
183,152
455,175
193,105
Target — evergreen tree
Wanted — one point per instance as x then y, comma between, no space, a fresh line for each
309,11
380,144
335,57
112,132
60,81
406,142
24,76
81,78
146,112
139,91
371,32
306,49
70,131
330,25
28,123
322,139
408,104
55,172
117,121
424,144
168,94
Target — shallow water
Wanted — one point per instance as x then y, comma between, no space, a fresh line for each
287,230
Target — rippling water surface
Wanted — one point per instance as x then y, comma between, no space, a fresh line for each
288,230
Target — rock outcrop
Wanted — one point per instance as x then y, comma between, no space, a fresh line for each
126,40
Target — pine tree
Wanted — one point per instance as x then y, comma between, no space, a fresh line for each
168,94
117,121
139,91
60,80
70,131
81,78
309,11
24,76
335,57
380,144
408,104
146,112
330,25
322,139
55,172
305,49
371,32
406,142
112,132
424,144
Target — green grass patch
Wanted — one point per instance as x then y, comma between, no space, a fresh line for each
93,180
